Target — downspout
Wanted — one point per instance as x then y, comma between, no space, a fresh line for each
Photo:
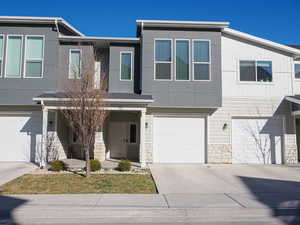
292,74
56,24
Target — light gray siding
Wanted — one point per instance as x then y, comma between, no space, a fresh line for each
115,84
173,93
20,91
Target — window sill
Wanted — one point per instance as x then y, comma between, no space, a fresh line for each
255,83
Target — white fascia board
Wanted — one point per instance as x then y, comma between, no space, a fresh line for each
106,100
262,41
182,23
293,100
65,23
30,19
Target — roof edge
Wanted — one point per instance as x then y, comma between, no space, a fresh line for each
262,41
42,20
172,23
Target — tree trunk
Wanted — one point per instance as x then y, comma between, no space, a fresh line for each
87,160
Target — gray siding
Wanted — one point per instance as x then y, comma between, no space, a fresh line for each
20,91
182,93
115,84
64,49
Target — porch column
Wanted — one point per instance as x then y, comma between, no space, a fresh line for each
142,138
43,160
99,146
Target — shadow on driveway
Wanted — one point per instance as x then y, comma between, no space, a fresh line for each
7,205
283,199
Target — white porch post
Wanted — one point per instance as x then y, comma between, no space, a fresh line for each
44,138
142,138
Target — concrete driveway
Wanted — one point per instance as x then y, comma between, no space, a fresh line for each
12,170
232,179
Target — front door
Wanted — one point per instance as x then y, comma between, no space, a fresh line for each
118,141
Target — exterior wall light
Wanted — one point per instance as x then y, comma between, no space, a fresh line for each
225,126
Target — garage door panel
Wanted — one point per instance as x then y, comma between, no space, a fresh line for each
179,139
20,137
256,141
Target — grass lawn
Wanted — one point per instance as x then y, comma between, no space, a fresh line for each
76,184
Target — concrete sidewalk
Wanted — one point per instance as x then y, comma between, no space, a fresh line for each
221,200
149,209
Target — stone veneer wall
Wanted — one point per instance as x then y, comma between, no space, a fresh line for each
99,147
149,138
219,153
290,155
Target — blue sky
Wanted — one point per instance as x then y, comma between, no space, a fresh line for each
276,20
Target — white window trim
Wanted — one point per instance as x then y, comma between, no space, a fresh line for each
194,62
297,79
255,82
189,59
80,62
22,55
2,59
154,60
136,133
34,60
131,71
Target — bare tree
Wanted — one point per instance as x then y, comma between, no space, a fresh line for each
261,138
51,147
84,103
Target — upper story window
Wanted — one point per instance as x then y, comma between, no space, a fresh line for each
163,59
256,71
297,70
74,63
201,60
13,59
126,65
182,52
34,56
1,53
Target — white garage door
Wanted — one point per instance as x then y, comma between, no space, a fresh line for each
179,139
257,141
20,137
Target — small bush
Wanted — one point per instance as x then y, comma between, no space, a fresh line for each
124,165
95,165
57,165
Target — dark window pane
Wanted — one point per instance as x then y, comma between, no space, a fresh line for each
132,138
201,71
297,71
126,66
163,71
264,71
163,50
182,60
201,51
247,71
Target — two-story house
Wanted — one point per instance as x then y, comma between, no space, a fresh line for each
179,92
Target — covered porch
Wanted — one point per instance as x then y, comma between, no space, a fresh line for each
121,137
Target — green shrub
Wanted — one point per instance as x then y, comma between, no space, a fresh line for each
95,165
124,165
57,165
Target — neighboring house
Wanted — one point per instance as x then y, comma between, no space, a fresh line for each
180,92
